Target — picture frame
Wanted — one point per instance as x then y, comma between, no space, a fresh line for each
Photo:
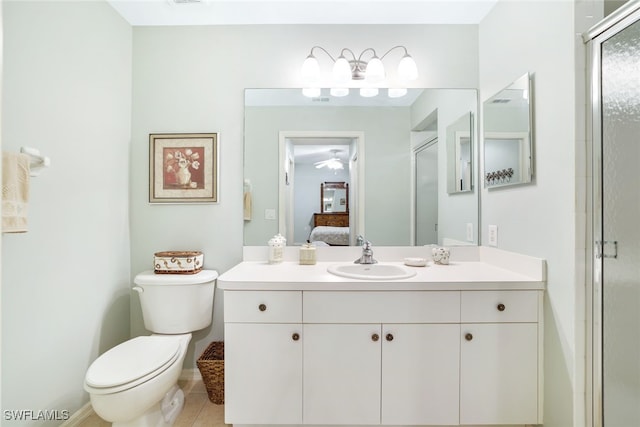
183,167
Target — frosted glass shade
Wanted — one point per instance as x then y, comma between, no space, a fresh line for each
310,71
311,92
339,91
368,92
407,68
375,71
397,92
341,71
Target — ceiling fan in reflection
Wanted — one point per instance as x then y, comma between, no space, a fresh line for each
333,163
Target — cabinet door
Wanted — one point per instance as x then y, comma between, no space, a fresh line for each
341,374
499,373
263,371
420,374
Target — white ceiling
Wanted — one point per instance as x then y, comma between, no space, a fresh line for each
248,12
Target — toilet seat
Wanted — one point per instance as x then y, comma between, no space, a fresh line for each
131,363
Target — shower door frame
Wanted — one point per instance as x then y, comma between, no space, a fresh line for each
618,21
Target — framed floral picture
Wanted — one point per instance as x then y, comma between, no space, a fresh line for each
183,168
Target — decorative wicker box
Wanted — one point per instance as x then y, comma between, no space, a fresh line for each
178,262
211,366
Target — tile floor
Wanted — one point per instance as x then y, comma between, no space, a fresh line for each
198,411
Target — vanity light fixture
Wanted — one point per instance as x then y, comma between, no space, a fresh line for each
356,71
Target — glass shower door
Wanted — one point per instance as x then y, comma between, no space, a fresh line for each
619,247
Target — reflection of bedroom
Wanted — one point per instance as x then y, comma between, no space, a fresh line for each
331,224
321,193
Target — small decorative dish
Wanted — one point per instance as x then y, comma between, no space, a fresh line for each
415,262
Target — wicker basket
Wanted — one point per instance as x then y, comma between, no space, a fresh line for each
211,366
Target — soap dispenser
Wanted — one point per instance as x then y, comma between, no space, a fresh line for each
307,254
276,249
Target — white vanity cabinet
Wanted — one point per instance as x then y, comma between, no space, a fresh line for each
341,374
364,363
454,345
263,357
420,374
500,357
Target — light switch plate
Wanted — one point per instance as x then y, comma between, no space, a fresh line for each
493,235
269,214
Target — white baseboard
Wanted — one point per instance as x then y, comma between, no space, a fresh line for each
190,375
79,416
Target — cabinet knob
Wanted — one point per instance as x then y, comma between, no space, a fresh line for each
262,307
468,336
295,336
389,337
375,337
501,307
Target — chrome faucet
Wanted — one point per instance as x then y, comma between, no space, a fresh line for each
367,254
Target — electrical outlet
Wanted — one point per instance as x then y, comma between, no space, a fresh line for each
493,235
469,232
269,214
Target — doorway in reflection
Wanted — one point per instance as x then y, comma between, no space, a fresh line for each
320,188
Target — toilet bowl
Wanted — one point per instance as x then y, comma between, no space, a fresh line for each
128,380
135,383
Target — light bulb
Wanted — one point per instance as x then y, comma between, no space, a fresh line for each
335,164
310,70
342,71
339,91
407,68
311,92
368,92
375,71
397,92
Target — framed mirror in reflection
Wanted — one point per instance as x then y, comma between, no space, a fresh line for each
508,142
334,197
293,144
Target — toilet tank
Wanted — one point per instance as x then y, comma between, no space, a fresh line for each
176,303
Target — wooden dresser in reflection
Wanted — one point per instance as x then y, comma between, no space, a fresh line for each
335,219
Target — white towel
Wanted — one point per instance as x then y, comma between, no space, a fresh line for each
15,192
247,208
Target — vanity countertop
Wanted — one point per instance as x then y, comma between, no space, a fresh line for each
458,275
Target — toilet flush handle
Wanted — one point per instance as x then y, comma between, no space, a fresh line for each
138,289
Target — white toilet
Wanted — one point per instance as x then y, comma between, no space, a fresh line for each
135,383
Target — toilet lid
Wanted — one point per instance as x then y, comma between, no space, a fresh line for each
132,360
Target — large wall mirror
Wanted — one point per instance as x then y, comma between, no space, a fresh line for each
389,154
508,142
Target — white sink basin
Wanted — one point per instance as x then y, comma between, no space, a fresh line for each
371,271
